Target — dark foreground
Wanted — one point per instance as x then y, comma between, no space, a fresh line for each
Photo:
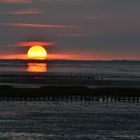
69,113
69,120
69,93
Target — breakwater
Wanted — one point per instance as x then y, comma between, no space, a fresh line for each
73,98
59,78
51,78
70,93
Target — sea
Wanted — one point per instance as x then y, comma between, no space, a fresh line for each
110,70
107,67
70,120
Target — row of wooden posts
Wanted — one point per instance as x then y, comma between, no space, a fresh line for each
52,76
74,98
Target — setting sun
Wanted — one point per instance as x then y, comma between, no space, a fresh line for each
37,52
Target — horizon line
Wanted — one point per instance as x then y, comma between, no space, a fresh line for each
74,59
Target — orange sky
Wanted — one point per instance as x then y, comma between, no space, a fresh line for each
96,56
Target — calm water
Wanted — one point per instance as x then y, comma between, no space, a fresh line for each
106,67
69,121
112,70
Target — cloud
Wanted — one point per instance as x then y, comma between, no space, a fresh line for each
27,11
75,0
37,43
16,1
113,23
31,25
13,56
112,17
71,35
91,18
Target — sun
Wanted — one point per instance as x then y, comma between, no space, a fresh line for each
37,52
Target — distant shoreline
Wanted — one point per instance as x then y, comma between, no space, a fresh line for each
68,60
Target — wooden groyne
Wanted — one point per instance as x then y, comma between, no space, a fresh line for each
70,93
73,98
51,76
58,78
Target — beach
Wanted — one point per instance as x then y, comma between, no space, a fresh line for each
60,120
60,104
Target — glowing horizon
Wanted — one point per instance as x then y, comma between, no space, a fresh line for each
70,57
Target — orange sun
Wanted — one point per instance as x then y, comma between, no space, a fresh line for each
37,52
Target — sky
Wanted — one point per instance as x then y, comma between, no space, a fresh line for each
71,29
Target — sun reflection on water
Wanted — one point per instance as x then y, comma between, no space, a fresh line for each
37,67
